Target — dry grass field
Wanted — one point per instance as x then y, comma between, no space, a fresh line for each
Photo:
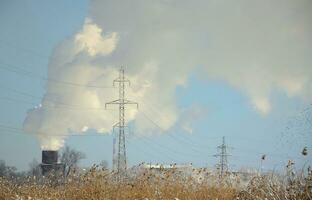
148,184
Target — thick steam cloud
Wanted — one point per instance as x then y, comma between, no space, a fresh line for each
78,88
256,46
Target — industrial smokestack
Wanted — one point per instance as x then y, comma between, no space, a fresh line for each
49,157
50,163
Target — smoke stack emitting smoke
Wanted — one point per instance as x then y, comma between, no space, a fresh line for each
160,43
50,163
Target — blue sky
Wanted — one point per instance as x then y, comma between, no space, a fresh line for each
31,31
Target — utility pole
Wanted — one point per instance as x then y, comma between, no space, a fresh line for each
223,163
121,160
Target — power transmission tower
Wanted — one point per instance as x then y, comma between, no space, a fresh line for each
223,163
121,160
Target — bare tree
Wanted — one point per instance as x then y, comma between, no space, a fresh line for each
35,169
70,158
6,171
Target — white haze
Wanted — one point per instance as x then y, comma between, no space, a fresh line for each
258,47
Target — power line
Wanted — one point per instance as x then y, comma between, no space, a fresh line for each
28,50
176,139
14,69
48,107
150,145
168,148
17,100
181,136
55,105
20,131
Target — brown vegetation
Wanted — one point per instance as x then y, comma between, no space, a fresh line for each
149,184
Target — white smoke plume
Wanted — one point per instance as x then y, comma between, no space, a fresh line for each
258,47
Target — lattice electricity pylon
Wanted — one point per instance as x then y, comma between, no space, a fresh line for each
223,163
121,160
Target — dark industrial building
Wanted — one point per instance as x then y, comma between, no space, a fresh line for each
50,163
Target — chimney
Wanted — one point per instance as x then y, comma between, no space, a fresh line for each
50,162
49,157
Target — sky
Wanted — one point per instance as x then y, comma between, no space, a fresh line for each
199,71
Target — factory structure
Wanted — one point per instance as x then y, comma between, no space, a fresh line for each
50,163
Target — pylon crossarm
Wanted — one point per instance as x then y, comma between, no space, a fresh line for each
116,125
121,80
112,102
131,102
